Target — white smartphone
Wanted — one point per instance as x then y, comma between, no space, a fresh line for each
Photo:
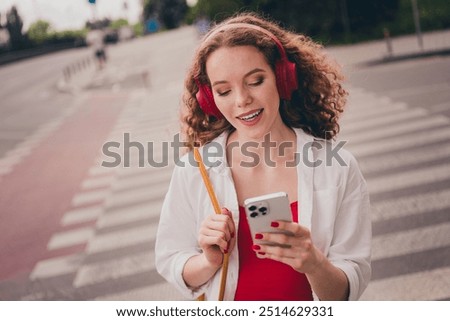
262,210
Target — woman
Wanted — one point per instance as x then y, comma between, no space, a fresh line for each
253,84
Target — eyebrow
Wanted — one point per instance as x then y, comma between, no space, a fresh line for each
251,72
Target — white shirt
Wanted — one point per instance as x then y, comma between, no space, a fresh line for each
333,204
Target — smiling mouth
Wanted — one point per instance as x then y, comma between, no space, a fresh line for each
251,116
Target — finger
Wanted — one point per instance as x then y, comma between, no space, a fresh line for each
275,251
299,244
279,238
220,225
208,232
211,240
230,221
294,228
296,263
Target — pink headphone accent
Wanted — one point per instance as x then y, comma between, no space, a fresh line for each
285,73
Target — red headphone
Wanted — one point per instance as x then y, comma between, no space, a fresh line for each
285,73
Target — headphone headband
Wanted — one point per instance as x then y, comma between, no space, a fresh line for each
249,26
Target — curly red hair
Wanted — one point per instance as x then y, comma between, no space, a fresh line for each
315,106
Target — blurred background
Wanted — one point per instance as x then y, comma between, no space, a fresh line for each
85,84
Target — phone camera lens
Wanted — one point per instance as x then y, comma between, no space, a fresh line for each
252,208
254,214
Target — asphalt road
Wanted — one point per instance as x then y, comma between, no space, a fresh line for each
72,229
420,83
29,96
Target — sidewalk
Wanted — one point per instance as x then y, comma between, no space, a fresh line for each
403,47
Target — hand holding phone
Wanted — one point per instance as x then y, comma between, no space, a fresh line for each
261,211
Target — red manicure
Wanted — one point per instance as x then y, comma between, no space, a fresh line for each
256,247
274,224
258,236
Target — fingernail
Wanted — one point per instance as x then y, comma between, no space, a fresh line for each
256,247
258,236
274,224
225,251
262,253
232,234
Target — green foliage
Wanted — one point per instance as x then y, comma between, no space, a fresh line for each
335,21
117,24
38,32
138,29
434,15
218,10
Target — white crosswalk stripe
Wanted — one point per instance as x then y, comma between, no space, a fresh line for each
57,266
392,131
159,292
416,177
113,269
392,144
133,213
70,238
411,241
80,215
420,286
402,159
95,196
410,205
391,119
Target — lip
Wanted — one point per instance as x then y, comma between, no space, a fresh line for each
249,112
255,120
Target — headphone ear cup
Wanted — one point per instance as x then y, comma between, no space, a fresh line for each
286,76
205,99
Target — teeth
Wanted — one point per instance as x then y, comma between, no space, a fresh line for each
251,116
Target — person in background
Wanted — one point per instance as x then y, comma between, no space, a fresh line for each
96,39
252,83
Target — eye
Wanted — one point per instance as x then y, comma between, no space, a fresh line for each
257,82
223,93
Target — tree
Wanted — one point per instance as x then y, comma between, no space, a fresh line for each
14,25
170,12
322,20
150,9
39,31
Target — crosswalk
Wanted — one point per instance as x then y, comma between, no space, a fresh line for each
404,154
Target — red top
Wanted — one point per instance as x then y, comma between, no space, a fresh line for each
266,279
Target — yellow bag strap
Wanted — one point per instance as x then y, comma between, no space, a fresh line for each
217,209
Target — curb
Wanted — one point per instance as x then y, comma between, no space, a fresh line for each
409,56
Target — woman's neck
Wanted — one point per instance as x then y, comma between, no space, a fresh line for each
275,146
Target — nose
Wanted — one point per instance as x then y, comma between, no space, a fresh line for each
243,97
